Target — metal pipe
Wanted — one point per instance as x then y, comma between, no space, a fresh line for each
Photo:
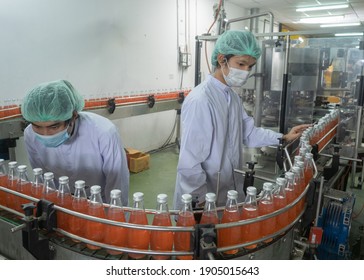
345,158
323,31
284,89
121,249
271,19
319,200
277,233
357,141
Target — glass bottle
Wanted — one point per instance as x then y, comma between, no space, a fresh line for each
161,240
209,214
290,195
95,230
309,169
182,239
38,183
280,201
232,235
49,189
266,206
12,179
299,185
250,210
3,181
23,186
79,204
115,235
138,238
64,200
297,158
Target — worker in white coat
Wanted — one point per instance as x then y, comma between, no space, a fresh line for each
81,145
215,126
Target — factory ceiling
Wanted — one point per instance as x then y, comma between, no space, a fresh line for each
285,11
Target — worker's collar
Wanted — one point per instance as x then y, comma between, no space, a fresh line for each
221,86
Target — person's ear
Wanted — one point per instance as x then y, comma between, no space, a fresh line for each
221,59
74,117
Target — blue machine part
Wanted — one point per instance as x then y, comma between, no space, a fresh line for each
335,220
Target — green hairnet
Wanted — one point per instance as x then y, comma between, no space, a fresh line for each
236,42
51,101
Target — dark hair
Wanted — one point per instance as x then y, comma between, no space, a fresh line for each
227,57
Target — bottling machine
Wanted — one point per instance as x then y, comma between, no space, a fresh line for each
295,82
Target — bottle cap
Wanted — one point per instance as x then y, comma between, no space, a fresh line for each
162,198
37,171
116,193
267,186
138,196
251,190
95,189
232,194
80,184
281,181
186,198
12,163
289,175
309,155
296,170
2,161
22,167
63,179
210,197
298,158
48,175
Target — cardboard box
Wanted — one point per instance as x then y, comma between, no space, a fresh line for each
137,161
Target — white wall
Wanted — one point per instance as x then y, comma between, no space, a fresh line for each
105,47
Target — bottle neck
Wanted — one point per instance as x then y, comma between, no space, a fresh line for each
138,205
162,208
96,198
64,188
23,176
80,193
12,173
49,185
115,202
210,207
186,207
231,205
267,196
250,199
38,179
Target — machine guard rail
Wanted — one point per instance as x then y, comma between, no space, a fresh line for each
161,228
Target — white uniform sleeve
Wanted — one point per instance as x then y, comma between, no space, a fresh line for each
115,165
258,136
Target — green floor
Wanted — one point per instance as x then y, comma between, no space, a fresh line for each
159,178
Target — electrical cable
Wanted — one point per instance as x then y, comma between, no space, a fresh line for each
208,31
166,144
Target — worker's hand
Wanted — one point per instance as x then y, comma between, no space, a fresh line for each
295,132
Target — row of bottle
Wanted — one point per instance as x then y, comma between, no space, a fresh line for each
272,198
44,187
323,131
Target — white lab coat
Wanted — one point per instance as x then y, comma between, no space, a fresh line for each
214,127
94,153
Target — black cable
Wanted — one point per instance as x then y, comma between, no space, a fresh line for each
166,144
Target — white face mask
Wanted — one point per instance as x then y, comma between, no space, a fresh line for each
55,140
236,77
